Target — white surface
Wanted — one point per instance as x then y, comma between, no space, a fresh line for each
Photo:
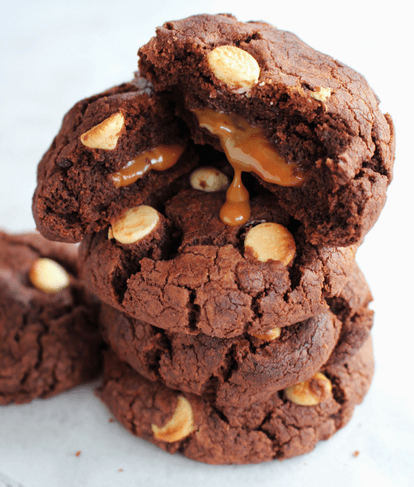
53,53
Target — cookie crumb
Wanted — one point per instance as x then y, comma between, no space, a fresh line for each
356,453
111,420
78,453
120,469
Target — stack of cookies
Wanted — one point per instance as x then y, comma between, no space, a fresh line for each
220,198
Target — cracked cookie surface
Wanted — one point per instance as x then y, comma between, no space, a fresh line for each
351,307
245,369
49,341
235,371
75,194
274,429
319,113
192,275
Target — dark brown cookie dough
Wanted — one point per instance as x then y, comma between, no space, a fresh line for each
322,116
275,429
245,369
191,273
75,193
49,341
236,371
351,307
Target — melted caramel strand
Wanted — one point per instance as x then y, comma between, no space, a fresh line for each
159,159
247,149
236,209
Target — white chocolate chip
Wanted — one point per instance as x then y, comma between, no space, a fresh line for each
234,67
208,179
48,276
106,134
134,225
270,241
179,426
269,335
310,392
322,94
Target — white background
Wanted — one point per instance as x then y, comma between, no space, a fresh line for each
53,53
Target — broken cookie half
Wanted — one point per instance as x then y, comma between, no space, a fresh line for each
307,126
112,152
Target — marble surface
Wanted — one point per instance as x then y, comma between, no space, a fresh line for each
53,53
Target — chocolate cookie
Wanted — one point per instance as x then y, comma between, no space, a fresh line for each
290,423
186,271
351,307
49,339
246,369
113,151
305,124
231,371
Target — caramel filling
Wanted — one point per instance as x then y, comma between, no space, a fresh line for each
248,150
159,159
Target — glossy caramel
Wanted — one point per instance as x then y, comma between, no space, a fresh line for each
159,159
236,209
248,150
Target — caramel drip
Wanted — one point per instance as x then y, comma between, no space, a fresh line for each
248,150
159,159
236,209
